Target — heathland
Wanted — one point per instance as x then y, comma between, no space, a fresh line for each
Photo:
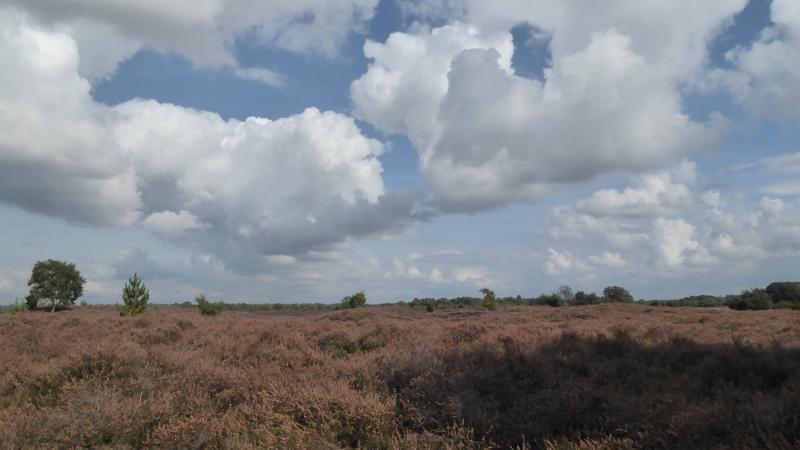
600,376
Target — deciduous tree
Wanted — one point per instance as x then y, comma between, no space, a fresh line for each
617,294
57,282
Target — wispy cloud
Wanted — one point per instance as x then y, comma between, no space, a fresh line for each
262,75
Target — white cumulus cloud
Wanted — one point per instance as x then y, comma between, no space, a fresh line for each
675,243
610,101
244,189
718,230
765,76
663,193
203,31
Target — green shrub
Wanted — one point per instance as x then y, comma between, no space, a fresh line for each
489,300
17,306
582,298
356,300
554,300
756,299
209,308
135,297
445,303
695,301
786,305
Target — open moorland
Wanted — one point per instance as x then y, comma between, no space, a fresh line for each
602,376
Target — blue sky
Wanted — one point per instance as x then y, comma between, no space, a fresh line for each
258,152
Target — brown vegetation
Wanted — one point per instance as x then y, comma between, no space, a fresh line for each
606,376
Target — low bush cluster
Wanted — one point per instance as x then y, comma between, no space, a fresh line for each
269,307
694,301
777,295
564,296
750,299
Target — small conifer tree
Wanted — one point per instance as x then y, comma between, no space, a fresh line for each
208,308
134,297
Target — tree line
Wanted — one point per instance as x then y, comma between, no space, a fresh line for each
564,296
58,284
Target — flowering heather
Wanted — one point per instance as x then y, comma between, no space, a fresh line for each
605,376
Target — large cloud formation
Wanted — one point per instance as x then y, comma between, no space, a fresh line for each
285,191
611,99
667,224
765,76
204,31
242,189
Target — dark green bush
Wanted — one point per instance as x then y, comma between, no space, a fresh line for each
697,301
356,300
756,299
786,305
784,291
617,294
549,300
442,303
582,298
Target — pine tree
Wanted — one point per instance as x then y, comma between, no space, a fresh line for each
134,297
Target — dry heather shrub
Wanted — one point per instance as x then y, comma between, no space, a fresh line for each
395,378
201,430
606,443
575,388
340,344
378,337
158,336
342,415
185,324
465,333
